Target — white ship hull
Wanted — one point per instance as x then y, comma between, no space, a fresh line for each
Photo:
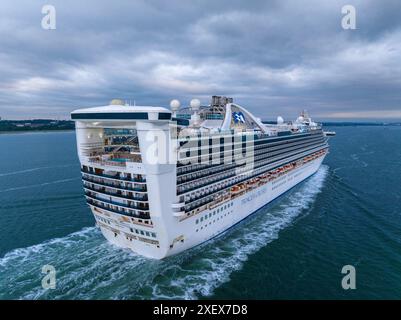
160,184
236,210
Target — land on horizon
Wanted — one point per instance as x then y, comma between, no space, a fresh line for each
52,124
35,125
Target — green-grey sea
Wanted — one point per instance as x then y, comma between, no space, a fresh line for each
348,213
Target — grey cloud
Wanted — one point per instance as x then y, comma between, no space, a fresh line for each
276,57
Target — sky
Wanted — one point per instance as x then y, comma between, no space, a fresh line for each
273,57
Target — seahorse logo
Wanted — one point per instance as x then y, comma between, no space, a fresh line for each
238,117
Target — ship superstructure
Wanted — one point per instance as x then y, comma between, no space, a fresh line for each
161,181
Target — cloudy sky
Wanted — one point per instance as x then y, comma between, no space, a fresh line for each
274,57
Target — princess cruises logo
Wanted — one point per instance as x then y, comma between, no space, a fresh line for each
238,117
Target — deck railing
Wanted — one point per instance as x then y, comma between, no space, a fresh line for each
116,177
101,206
133,198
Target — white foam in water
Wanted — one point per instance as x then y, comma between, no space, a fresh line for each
34,169
228,254
83,260
40,184
90,268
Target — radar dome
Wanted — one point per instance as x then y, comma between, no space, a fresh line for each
175,104
116,102
300,119
280,120
195,104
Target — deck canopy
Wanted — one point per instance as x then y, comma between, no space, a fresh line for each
121,113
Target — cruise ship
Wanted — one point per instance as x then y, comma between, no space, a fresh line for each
160,181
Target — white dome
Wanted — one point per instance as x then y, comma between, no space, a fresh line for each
175,104
280,120
195,104
300,119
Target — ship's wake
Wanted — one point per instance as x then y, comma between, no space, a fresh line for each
87,267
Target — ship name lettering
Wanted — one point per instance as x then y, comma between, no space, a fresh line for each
253,196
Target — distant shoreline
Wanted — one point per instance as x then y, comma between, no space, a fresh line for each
36,125
44,125
351,124
35,131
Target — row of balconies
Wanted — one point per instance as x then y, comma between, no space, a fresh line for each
118,175
196,175
127,212
120,194
290,143
187,169
218,187
204,182
115,184
142,206
258,142
181,169
210,180
279,156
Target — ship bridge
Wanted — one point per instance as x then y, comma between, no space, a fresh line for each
117,111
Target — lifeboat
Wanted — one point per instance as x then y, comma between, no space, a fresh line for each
251,183
236,189
125,219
